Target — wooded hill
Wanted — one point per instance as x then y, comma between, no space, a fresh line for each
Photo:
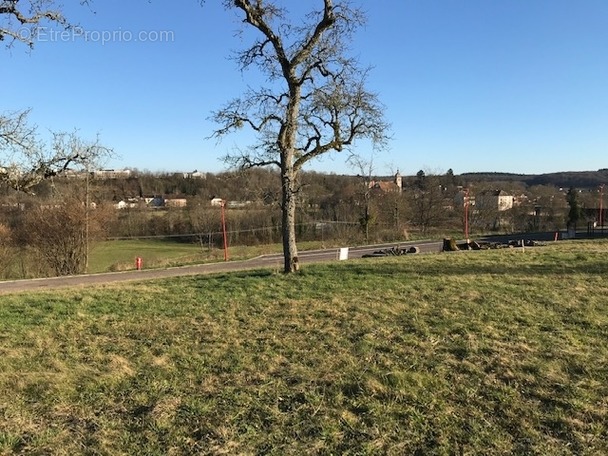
566,179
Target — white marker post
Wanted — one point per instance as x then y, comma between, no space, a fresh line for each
343,254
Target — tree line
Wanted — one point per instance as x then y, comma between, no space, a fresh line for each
50,230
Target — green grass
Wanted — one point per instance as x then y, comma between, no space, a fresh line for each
493,352
121,255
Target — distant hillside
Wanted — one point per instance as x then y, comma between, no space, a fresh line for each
578,179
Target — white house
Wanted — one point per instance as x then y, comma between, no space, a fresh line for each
217,202
495,199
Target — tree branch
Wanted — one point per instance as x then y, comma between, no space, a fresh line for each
22,26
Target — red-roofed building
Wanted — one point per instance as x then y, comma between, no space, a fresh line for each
395,186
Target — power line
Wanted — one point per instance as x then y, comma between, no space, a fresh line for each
218,233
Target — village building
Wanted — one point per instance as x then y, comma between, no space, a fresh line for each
394,186
498,200
195,175
112,173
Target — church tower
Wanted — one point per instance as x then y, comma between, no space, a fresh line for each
399,181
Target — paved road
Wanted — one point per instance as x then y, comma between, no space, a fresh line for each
266,261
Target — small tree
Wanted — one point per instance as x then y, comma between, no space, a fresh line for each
575,213
426,201
7,252
28,163
548,205
61,233
365,169
315,102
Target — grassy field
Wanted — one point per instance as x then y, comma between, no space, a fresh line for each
120,255
466,353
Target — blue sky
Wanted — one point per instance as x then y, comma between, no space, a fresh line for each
476,85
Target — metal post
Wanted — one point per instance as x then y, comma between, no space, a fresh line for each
466,215
86,220
601,214
223,206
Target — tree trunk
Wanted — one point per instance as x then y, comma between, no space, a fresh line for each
290,249
288,141
366,221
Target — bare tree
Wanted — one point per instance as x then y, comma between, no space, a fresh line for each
7,252
549,207
427,201
18,140
25,160
20,20
61,232
315,101
365,169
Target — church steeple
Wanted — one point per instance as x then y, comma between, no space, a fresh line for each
399,181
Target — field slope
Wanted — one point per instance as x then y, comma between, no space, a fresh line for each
500,352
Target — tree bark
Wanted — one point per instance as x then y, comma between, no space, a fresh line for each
287,141
290,249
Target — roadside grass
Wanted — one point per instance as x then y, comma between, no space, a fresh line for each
120,255
492,352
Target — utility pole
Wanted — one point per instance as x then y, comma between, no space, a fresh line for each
601,211
466,215
223,206
86,220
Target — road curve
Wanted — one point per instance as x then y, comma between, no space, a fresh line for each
266,261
